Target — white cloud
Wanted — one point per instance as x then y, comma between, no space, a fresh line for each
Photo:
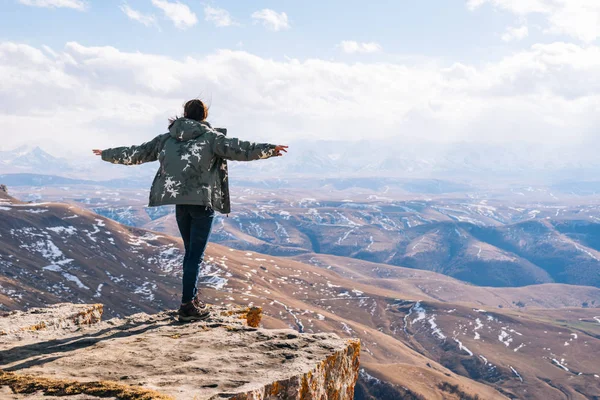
75,4
514,33
179,13
350,47
219,16
546,94
147,20
576,18
271,19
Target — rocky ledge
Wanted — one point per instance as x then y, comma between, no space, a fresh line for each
67,351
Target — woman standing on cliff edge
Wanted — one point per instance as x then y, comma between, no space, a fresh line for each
193,177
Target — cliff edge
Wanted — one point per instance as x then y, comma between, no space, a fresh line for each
65,350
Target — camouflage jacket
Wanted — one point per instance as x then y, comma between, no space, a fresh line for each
193,163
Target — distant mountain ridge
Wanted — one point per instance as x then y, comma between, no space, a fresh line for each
364,158
40,180
34,159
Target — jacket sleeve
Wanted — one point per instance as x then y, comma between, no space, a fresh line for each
133,155
240,150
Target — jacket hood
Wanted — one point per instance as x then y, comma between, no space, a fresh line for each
184,129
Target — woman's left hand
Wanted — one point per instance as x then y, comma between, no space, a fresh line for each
97,152
279,149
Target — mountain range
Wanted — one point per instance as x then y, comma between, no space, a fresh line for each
467,162
423,334
33,158
486,243
27,160
528,236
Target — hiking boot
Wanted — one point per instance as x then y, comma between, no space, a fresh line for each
189,312
199,303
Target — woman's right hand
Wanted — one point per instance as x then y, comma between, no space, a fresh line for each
97,152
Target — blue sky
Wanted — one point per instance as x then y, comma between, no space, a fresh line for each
89,73
430,28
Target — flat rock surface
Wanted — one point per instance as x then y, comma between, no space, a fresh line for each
57,316
219,356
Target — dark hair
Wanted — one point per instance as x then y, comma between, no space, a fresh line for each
194,109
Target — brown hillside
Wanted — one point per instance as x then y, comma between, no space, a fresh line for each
139,270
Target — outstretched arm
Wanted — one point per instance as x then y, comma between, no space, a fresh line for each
133,155
240,150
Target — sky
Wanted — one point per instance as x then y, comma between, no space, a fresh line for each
83,74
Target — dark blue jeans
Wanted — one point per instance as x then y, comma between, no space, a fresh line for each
195,224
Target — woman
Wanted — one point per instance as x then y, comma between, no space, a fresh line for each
193,176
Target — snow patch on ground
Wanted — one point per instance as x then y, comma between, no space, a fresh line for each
99,290
435,330
53,268
299,324
141,240
66,275
419,310
75,280
49,251
367,377
69,230
421,314
210,275
516,374
40,242
520,347
168,259
342,238
560,364
346,328
478,326
37,211
462,347
589,253
146,290
115,279
282,232
92,235
505,338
